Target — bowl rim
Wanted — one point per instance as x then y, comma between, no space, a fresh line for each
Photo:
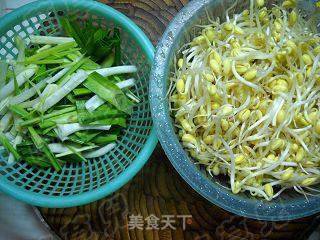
247,207
139,36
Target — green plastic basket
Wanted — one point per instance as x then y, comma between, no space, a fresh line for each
79,184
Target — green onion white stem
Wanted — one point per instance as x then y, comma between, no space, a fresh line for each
126,84
106,72
94,102
100,152
22,77
21,53
64,130
48,40
74,82
62,150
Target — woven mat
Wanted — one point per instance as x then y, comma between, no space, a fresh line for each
157,195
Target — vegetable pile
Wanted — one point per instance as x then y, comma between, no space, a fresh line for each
65,99
245,96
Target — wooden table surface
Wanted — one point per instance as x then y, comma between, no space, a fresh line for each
158,190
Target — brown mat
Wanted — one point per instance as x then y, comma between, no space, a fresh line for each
158,191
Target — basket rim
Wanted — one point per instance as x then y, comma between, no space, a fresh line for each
139,36
251,208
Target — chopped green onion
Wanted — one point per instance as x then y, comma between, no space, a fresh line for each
95,102
100,152
119,121
48,116
109,61
41,162
106,72
30,92
51,51
43,96
62,148
42,146
3,73
81,92
64,130
69,152
70,117
87,136
74,82
22,77
21,46
49,40
6,143
77,153
109,138
19,111
78,62
6,121
16,141
45,47
103,112
109,92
